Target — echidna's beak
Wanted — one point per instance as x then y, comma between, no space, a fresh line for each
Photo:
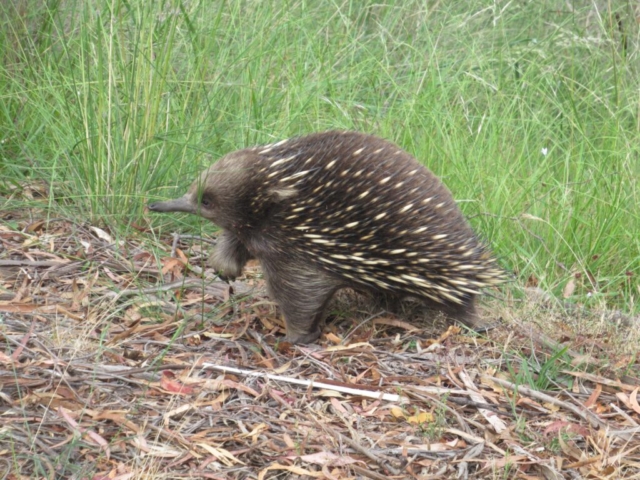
182,204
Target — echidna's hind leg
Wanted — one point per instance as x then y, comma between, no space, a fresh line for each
302,293
464,313
389,302
229,256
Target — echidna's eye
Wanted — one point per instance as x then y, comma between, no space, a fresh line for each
206,201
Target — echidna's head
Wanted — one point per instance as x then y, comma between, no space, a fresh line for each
215,194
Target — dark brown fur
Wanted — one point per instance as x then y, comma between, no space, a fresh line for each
340,209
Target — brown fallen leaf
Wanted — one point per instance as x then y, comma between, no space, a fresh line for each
292,469
88,433
392,322
569,288
169,383
327,458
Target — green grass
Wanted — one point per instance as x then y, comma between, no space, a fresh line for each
113,103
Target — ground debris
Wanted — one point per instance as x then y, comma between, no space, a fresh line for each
118,362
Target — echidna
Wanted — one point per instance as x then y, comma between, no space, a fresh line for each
340,209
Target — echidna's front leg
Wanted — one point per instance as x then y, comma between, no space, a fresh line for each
229,256
302,293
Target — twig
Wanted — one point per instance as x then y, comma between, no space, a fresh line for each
197,237
624,414
8,471
368,473
356,446
602,380
174,245
258,338
187,282
489,415
586,415
429,398
389,397
34,263
474,439
366,320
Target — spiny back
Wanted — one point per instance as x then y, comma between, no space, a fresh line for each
365,210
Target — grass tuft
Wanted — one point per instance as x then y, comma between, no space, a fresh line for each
528,111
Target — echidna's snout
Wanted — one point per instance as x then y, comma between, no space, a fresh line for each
182,204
